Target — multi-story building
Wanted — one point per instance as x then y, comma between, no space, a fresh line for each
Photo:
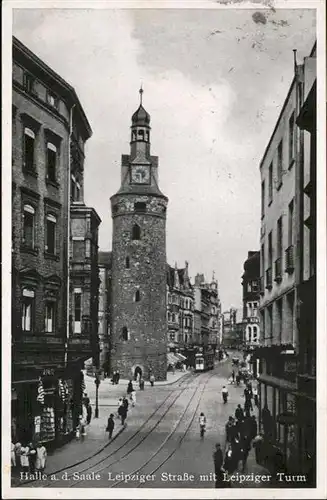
306,221
287,266
180,307
139,264
104,309
47,358
207,313
251,299
230,335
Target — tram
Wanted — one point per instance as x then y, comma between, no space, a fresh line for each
204,361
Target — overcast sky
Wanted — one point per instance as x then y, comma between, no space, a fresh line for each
214,83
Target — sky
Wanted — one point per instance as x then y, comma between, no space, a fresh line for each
214,84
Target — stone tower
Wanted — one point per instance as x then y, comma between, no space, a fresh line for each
138,300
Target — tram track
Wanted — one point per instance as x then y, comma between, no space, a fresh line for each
179,388
155,454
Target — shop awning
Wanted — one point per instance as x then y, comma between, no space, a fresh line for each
180,356
172,359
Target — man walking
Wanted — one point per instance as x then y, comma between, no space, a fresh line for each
218,463
110,425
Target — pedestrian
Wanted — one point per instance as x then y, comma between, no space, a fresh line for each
32,456
13,455
123,413
255,396
228,427
253,427
266,420
89,414
247,408
218,460
24,458
246,446
86,399
113,379
233,376
152,379
130,387
239,415
258,446
224,393
238,379
41,457
18,448
117,377
133,398
125,403
82,419
141,384
228,461
110,425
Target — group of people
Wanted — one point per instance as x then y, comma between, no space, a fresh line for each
28,457
85,417
115,378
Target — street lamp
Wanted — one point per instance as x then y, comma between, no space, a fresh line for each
97,383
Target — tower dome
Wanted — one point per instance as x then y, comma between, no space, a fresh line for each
141,116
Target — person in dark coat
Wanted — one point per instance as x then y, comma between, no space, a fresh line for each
228,428
238,379
218,460
237,452
239,415
253,427
125,403
258,446
86,399
246,447
122,412
233,376
110,425
229,461
141,384
89,414
247,408
130,387
117,377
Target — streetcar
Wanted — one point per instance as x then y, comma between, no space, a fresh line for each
204,361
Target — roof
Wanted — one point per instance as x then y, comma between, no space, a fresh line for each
55,80
140,189
141,116
181,277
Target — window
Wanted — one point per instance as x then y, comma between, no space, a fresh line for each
255,334
254,286
28,226
49,317
280,164
169,317
172,337
140,207
136,232
290,222
291,143
270,249
29,144
270,187
29,81
169,298
173,317
137,296
124,333
262,199
279,237
262,263
77,312
52,99
50,245
28,298
51,162
127,262
147,135
279,304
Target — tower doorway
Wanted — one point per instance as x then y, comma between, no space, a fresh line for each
137,373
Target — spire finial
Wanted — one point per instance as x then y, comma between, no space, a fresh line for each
141,93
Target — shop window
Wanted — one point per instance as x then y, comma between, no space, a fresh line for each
125,334
29,147
50,245
51,162
28,307
29,226
136,232
49,317
77,312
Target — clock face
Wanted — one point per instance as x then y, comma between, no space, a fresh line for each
141,174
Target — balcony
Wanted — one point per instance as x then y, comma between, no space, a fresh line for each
269,278
278,270
289,259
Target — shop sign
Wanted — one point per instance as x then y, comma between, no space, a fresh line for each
48,372
37,424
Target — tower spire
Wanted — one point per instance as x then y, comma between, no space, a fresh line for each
141,93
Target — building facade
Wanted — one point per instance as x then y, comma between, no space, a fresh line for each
251,299
138,306
287,266
230,336
47,380
180,307
104,310
207,313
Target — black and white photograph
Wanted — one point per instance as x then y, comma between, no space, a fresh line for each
164,249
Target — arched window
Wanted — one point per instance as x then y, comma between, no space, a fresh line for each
136,232
137,296
124,333
28,226
50,245
140,134
127,264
